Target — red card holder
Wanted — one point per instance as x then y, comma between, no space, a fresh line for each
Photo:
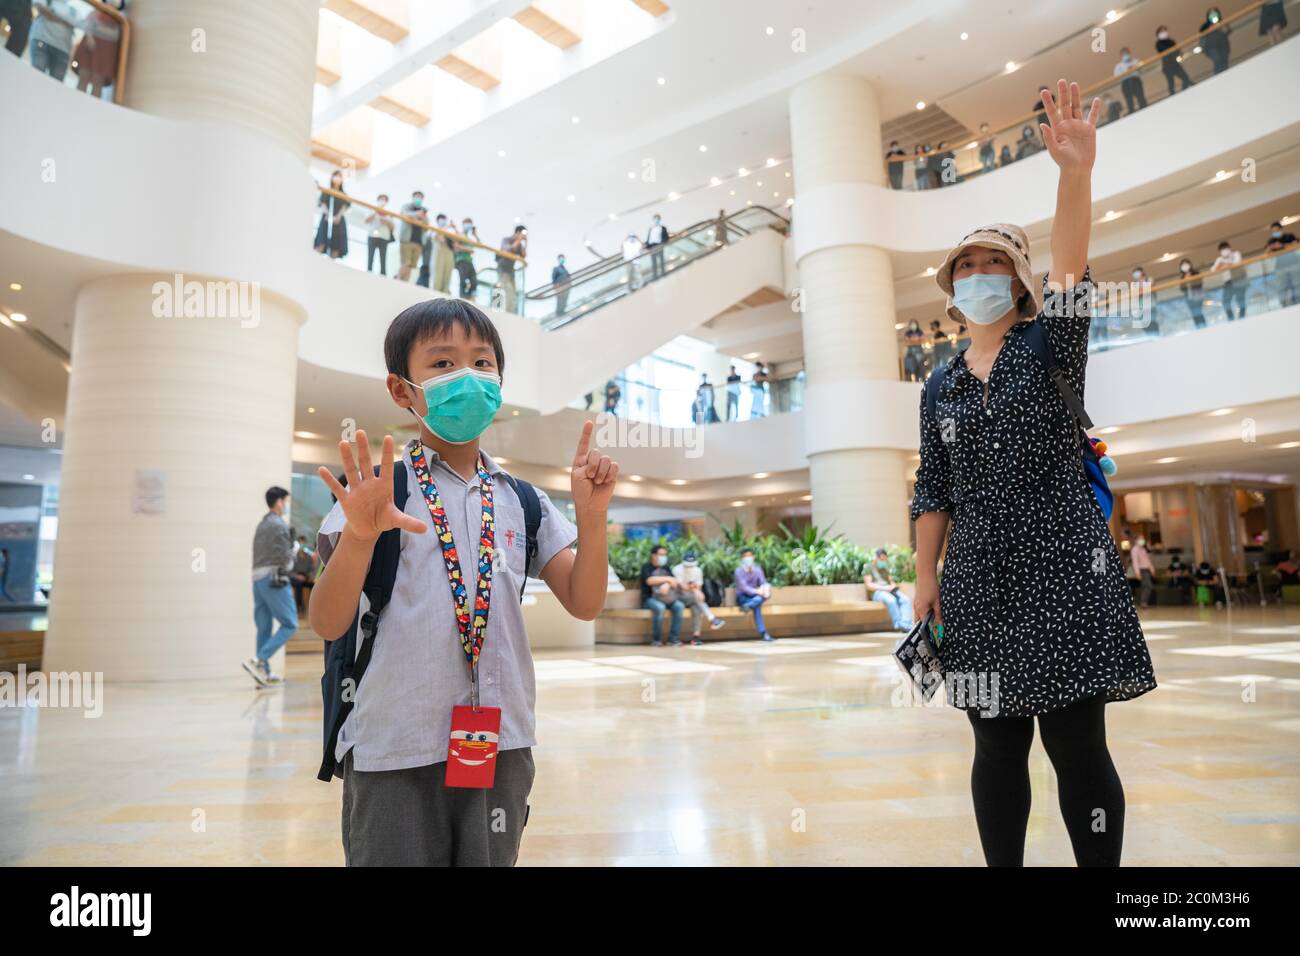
472,749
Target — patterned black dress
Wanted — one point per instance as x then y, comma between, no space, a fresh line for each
1037,612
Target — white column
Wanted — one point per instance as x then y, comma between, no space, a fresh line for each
847,292
189,398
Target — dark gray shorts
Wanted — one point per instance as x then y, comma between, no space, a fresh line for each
412,818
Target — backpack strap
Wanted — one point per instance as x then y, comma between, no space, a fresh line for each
1036,338
378,589
931,388
532,506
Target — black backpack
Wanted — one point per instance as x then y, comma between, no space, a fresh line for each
714,592
345,665
1036,339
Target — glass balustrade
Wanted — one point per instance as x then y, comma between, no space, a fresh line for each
80,43
711,404
1127,313
613,277
1197,57
476,270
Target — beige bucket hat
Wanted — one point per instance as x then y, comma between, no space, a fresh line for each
1009,239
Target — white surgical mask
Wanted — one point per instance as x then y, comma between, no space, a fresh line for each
983,298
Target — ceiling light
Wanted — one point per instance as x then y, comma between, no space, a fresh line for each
759,183
931,271
575,120
742,171
635,477
731,192
920,104
787,174
311,409
1168,461
1167,256
703,148
677,481
776,195
771,161
750,356
570,197
1011,66
761,474
612,216
631,175
673,197
898,325
965,36
661,81
737,504
790,201
29,477
1112,15
1109,429
1289,444
502,461
807,498
1221,411
769,31
501,153
17,317
714,180
15,287
515,412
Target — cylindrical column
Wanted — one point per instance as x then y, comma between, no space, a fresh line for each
847,293
248,63
181,396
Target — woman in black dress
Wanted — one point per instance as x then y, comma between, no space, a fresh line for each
1038,618
332,232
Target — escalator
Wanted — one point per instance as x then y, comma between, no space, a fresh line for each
614,279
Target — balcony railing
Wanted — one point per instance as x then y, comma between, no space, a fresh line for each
80,43
1129,313
1194,59
475,270
712,404
600,283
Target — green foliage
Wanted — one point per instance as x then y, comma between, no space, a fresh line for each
813,557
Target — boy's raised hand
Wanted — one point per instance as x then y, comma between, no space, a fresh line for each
593,476
367,501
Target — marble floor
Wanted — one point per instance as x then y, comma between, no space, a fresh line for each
735,753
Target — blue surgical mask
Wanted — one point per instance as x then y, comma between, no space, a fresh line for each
747,561
460,405
983,298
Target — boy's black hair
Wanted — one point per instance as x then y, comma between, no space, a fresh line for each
658,547
274,494
746,551
432,318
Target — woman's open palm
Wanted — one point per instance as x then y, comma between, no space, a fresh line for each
367,501
1071,137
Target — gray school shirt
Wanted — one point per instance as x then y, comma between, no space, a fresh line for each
418,671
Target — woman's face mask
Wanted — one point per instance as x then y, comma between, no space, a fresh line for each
1186,267
660,560
983,298
460,405
1162,35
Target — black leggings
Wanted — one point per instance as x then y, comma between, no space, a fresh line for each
1092,798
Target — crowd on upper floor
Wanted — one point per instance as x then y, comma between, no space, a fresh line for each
935,166
56,36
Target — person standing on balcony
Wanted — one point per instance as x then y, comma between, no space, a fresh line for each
18,14
733,394
704,412
1272,20
1131,86
988,159
1283,271
1215,39
895,152
752,591
914,353
941,347
516,244
463,258
381,234
656,238
1191,288
920,167
1036,612
1169,65
758,391
1144,314
410,236
332,232
51,43
442,255
560,280
1234,288
96,54
612,394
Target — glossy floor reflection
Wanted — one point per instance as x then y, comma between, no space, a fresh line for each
735,753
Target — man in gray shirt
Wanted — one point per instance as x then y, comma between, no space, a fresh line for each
272,597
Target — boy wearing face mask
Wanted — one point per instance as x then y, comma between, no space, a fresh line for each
659,594
1038,619
450,650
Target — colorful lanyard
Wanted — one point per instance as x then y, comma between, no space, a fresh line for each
472,632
